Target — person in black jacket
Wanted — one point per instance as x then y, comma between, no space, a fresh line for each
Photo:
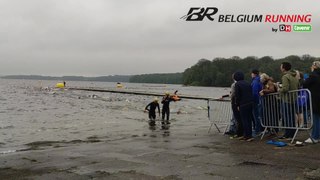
151,107
244,103
313,84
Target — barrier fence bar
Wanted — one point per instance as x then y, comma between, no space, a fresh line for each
139,93
289,111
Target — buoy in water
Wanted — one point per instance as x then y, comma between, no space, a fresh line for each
59,85
119,85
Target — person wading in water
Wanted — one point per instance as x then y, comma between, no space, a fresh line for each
151,108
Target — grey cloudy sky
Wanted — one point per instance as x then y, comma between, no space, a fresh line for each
106,37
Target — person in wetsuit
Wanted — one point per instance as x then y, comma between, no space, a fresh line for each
151,108
165,107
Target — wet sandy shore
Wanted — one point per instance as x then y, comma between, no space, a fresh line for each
174,153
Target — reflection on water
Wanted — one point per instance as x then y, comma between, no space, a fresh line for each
29,114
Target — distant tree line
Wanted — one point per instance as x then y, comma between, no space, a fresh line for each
168,78
218,72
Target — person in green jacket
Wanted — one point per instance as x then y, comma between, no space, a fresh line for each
289,80
289,83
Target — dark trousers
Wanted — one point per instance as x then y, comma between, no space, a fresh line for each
257,117
152,115
236,114
165,111
246,118
288,117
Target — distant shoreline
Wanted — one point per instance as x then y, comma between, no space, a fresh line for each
164,78
115,78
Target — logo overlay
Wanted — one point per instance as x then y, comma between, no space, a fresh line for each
284,21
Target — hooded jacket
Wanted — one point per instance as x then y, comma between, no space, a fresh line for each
243,90
289,81
313,84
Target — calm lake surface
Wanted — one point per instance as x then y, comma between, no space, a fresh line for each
29,114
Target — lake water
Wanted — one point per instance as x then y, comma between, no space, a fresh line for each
29,114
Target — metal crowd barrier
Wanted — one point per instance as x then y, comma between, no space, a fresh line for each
219,114
291,110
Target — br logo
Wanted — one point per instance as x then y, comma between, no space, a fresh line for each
198,14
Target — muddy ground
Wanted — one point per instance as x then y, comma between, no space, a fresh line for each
169,153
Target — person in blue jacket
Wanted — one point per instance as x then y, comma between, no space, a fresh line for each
256,88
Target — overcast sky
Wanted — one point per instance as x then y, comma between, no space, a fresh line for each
107,37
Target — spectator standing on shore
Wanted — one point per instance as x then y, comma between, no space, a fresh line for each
289,83
235,127
270,104
235,111
313,84
244,101
268,85
256,88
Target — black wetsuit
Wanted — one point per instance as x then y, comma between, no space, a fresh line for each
152,110
165,108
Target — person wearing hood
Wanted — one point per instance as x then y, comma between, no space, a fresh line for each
256,88
289,83
313,84
244,102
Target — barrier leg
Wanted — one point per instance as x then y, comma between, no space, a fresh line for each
211,124
215,126
295,134
310,136
226,129
274,131
263,133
